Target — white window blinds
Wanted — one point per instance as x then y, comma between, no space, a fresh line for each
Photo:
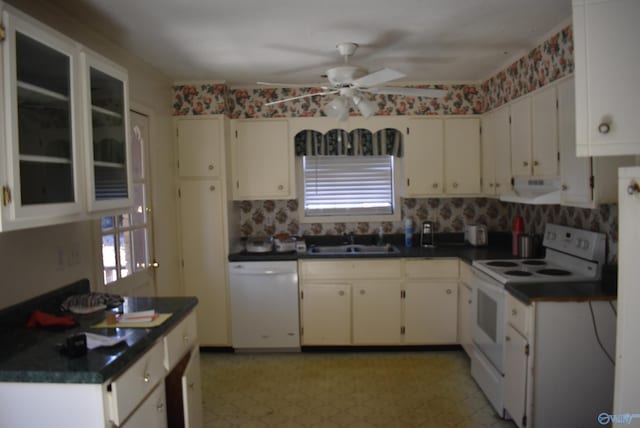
348,185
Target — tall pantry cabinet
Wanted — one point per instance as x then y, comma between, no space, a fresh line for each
202,196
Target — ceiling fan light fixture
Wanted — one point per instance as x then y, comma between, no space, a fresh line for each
366,107
338,109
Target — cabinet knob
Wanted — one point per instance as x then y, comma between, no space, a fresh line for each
455,185
435,185
633,188
191,385
147,378
210,167
525,163
536,163
470,301
280,187
340,293
449,291
212,188
564,187
507,338
497,185
160,407
604,128
362,292
185,338
514,312
491,185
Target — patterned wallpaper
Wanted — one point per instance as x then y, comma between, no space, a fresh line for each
550,61
265,218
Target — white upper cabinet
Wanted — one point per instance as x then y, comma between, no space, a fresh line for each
108,151
534,141
586,182
607,59
200,145
442,156
423,157
462,156
41,171
496,152
263,163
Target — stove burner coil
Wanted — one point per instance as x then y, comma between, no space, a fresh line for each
502,264
518,273
534,262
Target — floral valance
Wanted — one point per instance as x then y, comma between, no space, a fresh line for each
359,142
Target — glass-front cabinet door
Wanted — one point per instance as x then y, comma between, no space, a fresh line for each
41,177
107,139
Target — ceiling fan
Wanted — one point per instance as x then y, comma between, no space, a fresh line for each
350,82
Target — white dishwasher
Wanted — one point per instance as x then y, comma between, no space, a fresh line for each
264,305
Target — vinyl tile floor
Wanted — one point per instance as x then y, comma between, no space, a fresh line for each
343,389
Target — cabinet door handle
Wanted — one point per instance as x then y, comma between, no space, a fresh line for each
280,187
191,385
507,338
536,163
435,185
362,292
564,187
525,163
147,378
340,293
455,185
514,312
604,128
212,188
449,291
470,301
160,407
497,185
491,185
210,167
185,338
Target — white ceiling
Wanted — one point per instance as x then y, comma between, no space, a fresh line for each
244,41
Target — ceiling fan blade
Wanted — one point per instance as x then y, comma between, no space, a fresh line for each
412,92
284,100
377,78
294,85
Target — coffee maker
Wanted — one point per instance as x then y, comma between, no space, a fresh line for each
427,234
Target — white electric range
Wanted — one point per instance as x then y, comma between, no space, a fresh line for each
571,255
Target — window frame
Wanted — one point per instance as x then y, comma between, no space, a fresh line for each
397,208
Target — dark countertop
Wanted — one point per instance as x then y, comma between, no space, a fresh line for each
32,354
606,289
452,245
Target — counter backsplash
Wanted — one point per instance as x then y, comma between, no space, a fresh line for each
266,218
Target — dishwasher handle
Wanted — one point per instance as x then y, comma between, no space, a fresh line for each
244,270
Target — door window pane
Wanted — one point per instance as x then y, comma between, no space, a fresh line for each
126,254
138,212
109,258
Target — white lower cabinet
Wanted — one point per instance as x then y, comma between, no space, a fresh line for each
326,314
465,300
381,302
555,371
377,313
192,392
152,412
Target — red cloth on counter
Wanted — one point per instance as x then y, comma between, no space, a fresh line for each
43,319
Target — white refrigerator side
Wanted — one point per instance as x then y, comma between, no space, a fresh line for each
627,377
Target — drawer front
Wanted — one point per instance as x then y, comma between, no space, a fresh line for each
180,340
447,268
151,413
465,273
128,390
518,315
352,269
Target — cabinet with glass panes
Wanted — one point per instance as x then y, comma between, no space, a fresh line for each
41,180
107,137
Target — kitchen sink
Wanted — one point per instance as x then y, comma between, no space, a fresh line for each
353,249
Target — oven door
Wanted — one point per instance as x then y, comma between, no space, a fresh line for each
487,329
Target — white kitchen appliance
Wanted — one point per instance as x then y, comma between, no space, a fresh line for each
572,255
476,234
264,305
258,245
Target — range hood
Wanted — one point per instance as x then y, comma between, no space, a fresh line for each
534,191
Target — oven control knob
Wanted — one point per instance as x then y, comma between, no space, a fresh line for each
551,236
584,243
